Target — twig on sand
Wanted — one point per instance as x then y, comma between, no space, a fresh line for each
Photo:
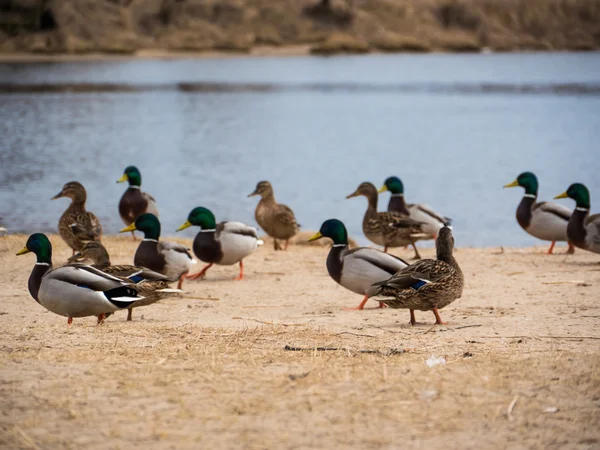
390,352
355,334
269,323
201,298
576,282
26,437
511,407
540,337
467,326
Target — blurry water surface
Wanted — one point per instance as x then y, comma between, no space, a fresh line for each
455,128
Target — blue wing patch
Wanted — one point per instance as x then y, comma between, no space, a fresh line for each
418,285
136,278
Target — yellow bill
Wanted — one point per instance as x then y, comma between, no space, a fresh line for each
563,195
128,228
23,251
315,237
382,189
123,178
187,224
513,184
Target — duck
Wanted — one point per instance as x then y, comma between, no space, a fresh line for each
277,220
168,258
426,285
134,202
583,230
77,226
75,290
431,219
359,268
152,286
544,220
388,229
225,243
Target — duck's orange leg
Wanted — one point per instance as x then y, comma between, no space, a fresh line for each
438,319
70,320
413,320
129,311
101,318
241,275
287,241
359,307
382,305
181,278
551,247
200,274
385,248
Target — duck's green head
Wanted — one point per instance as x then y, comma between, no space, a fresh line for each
201,217
394,185
39,244
526,180
579,193
146,223
334,230
131,174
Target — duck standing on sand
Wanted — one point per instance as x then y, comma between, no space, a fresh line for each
77,226
389,229
134,202
275,219
431,219
427,285
544,220
583,230
359,268
168,258
75,290
151,285
225,243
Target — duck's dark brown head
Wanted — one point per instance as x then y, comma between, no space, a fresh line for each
95,252
444,244
73,190
263,188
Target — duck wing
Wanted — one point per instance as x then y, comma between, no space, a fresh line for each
592,228
425,271
151,204
236,228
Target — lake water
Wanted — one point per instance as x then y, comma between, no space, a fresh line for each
455,128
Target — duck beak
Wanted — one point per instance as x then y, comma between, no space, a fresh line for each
563,195
354,194
187,224
23,251
253,194
123,178
128,228
59,195
315,237
513,184
382,189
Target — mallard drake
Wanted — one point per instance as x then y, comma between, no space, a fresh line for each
168,258
77,226
151,285
75,290
544,220
134,202
389,229
427,285
359,268
583,230
431,219
275,219
225,243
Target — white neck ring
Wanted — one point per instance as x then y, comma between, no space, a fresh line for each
150,240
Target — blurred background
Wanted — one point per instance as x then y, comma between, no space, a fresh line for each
456,97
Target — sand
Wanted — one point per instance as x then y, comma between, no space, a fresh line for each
211,369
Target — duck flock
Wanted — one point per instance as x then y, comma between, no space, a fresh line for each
90,285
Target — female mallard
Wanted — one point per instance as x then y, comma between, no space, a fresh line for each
583,230
389,229
427,285
75,290
77,226
544,220
225,243
432,220
151,285
359,268
275,219
134,202
169,258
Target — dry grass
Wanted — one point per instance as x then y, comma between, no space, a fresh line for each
238,25
340,43
210,369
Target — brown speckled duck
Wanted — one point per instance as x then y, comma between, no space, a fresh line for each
77,226
427,285
134,202
151,285
275,219
389,229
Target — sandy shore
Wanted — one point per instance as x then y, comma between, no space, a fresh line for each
211,369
